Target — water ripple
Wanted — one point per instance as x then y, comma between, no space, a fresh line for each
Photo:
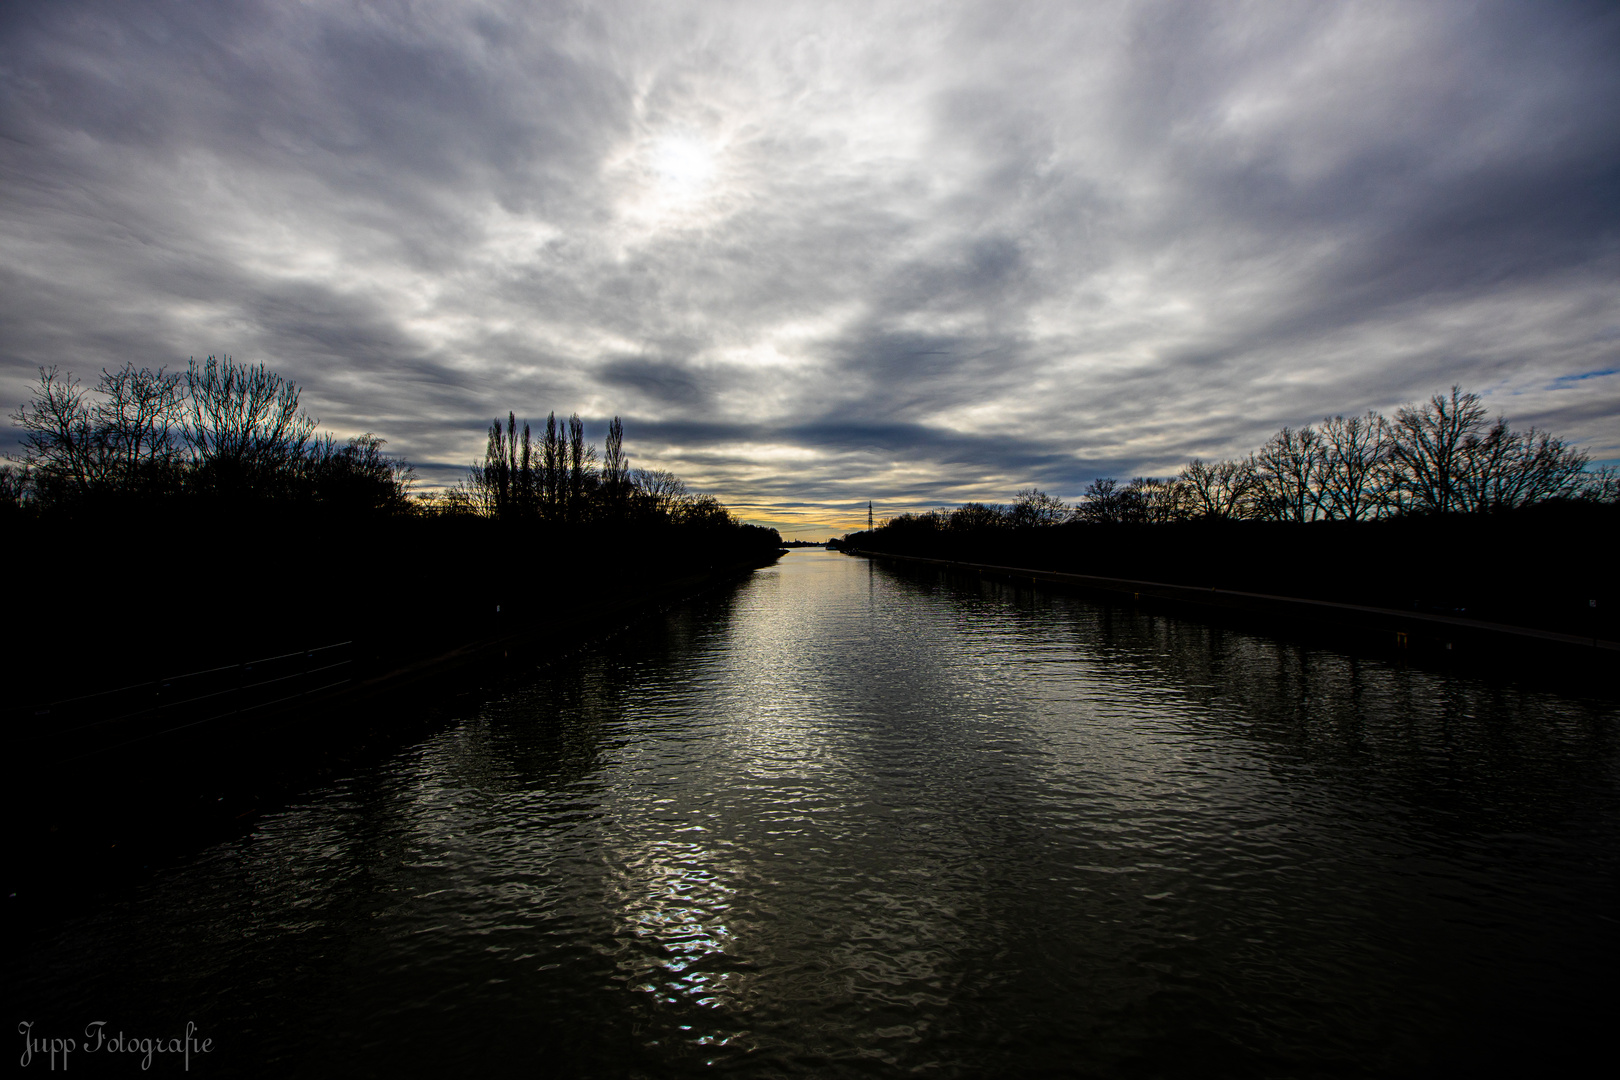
845,820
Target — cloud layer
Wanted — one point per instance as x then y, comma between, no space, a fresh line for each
815,254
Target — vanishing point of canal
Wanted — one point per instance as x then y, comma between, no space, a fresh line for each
842,819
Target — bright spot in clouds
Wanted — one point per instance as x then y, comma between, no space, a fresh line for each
684,165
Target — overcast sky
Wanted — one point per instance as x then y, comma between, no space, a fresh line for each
814,254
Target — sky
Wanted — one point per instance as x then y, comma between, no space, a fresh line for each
816,254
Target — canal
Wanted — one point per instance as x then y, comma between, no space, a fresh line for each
844,819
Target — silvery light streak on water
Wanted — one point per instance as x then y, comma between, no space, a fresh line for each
842,818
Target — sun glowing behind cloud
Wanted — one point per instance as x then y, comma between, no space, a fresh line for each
684,166
673,180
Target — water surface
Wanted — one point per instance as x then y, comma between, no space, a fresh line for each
843,819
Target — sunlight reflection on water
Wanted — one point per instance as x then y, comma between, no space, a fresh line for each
845,818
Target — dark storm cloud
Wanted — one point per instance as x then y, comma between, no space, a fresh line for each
816,254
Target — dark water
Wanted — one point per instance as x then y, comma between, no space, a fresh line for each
843,820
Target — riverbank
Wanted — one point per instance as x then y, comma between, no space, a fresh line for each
1545,568
113,600
1414,632
849,809
90,817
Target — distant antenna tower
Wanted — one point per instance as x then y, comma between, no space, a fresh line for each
869,515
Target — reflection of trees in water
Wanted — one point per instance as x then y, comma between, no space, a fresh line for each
555,787
548,730
1434,739
470,853
1438,740
939,822
1276,830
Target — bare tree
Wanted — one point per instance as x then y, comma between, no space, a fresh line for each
460,499
118,438
1287,475
581,467
929,521
1540,466
59,442
971,517
1426,448
1503,469
1601,485
702,511
245,427
552,464
1222,490
136,426
525,497
490,484
359,475
1034,508
1354,451
615,466
659,491
1435,457
1101,502
16,489
510,484
1149,500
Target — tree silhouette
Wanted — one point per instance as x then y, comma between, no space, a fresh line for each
1221,490
1351,481
1427,447
245,428
615,467
1033,508
1503,469
59,438
1287,474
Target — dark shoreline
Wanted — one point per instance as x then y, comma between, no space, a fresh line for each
1410,628
1541,568
84,828
1567,663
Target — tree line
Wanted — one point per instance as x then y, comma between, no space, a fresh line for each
236,433
559,478
1443,456
219,430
